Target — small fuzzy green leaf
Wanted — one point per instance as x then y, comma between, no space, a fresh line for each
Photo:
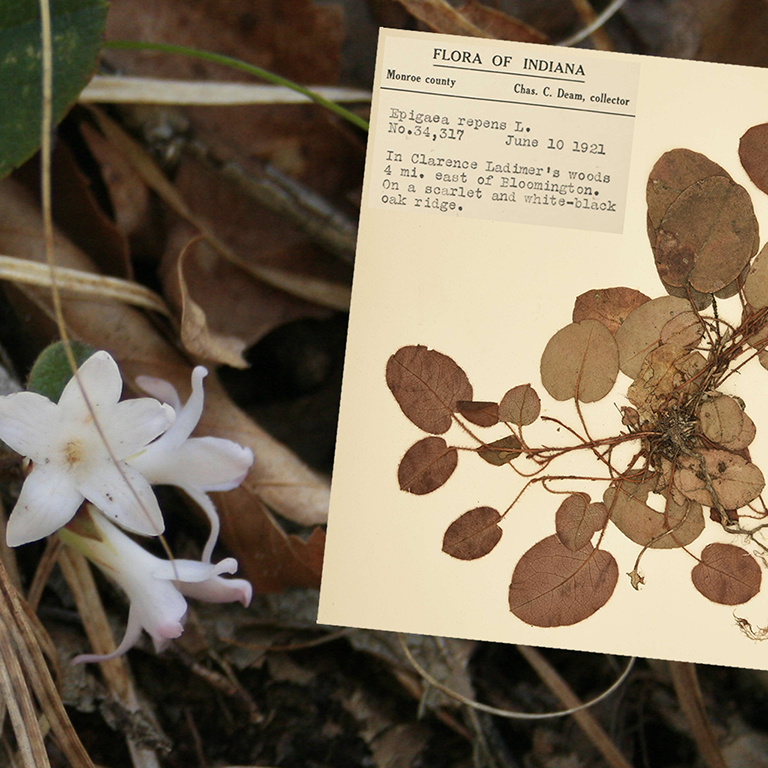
52,371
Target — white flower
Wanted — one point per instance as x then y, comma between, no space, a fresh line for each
194,464
76,456
156,588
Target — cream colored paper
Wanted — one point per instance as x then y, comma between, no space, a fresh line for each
490,290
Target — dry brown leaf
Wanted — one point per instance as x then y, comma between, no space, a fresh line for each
553,586
521,406
473,535
577,520
479,412
756,281
426,466
610,306
580,361
727,574
427,386
277,478
500,25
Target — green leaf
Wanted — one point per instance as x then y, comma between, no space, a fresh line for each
78,26
52,371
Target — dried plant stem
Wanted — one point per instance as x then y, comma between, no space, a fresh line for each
688,691
565,693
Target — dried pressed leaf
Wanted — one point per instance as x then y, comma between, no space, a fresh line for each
610,306
727,574
577,520
666,370
684,330
580,361
426,465
482,413
678,527
673,173
555,587
707,236
641,331
427,386
499,452
473,535
734,480
756,281
724,422
753,153
521,406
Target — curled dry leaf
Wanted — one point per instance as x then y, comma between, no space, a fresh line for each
707,236
577,520
580,361
666,370
727,574
753,153
473,535
500,25
734,480
277,478
756,281
553,586
641,331
427,386
426,466
610,306
521,406
678,526
484,414
502,451
724,422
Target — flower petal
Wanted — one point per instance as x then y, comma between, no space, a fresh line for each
160,389
218,590
29,423
123,495
130,638
100,377
48,500
205,463
131,425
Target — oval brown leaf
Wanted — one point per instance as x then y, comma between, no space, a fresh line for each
641,331
609,306
521,406
756,282
727,574
684,330
473,535
642,524
427,385
426,466
499,452
555,587
483,414
725,423
735,480
707,236
674,172
753,153
577,520
580,361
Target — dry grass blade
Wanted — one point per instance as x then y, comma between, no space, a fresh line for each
688,691
599,36
311,289
82,284
21,636
18,701
564,692
149,90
